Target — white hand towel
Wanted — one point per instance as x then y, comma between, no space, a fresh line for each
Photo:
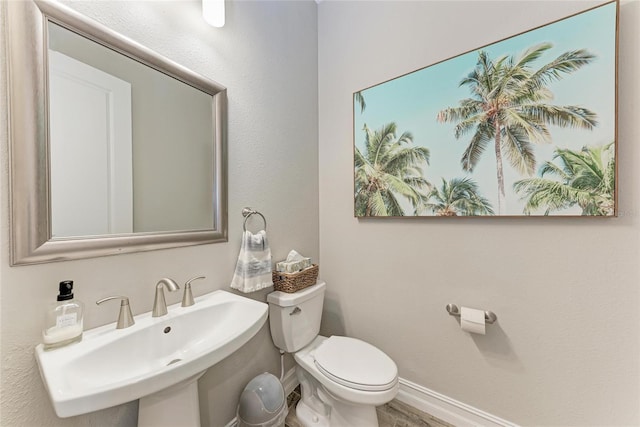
253,270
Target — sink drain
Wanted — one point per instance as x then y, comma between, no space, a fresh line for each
174,361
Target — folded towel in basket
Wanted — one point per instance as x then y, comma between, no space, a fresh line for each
253,270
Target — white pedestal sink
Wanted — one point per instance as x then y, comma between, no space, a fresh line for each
157,360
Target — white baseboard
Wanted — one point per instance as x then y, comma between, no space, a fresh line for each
445,408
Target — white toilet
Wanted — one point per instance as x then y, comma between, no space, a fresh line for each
342,379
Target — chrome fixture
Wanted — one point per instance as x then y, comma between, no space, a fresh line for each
159,303
247,212
125,317
489,316
187,297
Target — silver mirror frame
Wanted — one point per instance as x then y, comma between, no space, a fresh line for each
29,198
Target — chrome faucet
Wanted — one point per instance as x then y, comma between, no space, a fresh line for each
160,304
125,317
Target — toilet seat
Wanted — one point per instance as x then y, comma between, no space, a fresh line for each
355,364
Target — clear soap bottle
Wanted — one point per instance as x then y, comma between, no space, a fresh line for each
63,320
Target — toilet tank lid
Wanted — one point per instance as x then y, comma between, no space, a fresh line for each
284,299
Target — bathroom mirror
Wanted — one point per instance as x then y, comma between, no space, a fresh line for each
113,148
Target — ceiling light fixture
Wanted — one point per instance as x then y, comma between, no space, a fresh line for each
213,12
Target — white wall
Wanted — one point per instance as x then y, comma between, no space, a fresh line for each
266,56
565,350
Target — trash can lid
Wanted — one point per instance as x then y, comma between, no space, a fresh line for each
262,400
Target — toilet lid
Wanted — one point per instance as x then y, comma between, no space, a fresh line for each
356,364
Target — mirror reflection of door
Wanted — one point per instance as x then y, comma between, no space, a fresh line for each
90,116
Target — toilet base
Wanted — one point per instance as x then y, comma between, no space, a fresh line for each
319,408
308,417
340,416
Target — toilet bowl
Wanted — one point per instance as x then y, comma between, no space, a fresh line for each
350,377
342,379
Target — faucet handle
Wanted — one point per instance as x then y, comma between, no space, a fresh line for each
125,317
187,298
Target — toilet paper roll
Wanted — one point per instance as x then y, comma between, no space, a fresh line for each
472,320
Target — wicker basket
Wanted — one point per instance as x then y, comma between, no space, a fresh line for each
293,282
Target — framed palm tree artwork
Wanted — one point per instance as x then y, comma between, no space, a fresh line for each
522,127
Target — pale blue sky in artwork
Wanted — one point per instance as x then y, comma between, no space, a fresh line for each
414,100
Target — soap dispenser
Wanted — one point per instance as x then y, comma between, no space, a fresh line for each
63,320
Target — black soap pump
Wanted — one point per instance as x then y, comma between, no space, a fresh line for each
63,324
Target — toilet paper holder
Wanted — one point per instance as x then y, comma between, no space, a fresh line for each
489,316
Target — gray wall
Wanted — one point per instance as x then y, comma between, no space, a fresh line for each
565,350
266,56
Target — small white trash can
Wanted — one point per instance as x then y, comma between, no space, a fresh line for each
262,403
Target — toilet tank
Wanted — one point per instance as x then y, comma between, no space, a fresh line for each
294,318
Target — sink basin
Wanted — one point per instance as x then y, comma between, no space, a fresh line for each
114,366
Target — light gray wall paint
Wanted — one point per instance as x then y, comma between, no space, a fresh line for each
388,280
266,55
565,350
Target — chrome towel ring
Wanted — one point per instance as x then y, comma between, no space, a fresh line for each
247,212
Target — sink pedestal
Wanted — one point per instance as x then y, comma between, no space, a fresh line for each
177,405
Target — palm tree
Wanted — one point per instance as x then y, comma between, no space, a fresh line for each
509,106
585,178
386,169
459,196
359,98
